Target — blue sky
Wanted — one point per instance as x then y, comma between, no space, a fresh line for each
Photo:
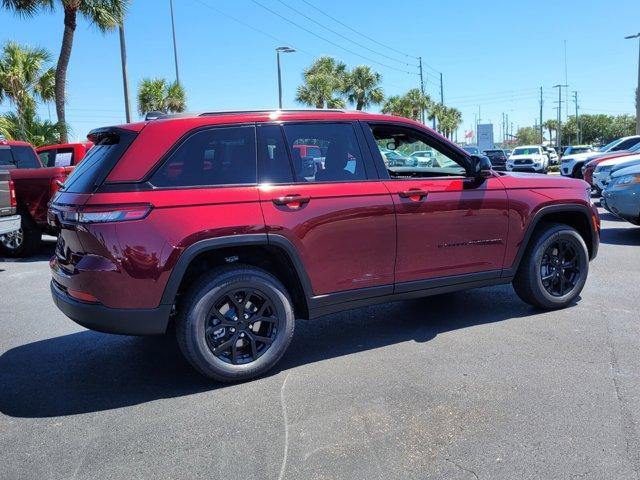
495,54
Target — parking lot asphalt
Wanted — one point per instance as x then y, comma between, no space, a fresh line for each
470,385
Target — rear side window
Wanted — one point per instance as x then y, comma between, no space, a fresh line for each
63,157
216,156
325,152
5,156
109,147
273,159
25,157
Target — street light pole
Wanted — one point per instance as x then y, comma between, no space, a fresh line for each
283,50
637,35
559,127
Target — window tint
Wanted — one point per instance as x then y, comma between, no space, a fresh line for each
273,159
25,157
5,156
630,142
325,152
397,145
91,172
47,157
217,156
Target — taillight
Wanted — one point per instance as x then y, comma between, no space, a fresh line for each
12,195
106,213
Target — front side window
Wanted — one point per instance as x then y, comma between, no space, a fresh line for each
625,144
47,157
25,157
325,152
398,144
216,156
63,157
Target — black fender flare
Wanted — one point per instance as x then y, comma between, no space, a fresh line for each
252,239
539,216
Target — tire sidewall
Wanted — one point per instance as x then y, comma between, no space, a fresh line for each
583,259
209,293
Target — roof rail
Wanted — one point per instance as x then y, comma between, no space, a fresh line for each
271,110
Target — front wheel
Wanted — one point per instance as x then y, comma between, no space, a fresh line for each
554,268
235,323
22,242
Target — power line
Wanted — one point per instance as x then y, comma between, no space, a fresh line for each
343,36
248,25
356,31
328,40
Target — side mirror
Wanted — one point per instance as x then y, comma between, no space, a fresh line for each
481,166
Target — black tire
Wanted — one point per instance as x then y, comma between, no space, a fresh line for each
577,171
24,242
537,262
198,337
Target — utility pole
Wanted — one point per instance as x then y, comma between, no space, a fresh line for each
578,132
175,49
125,80
637,35
422,117
541,129
559,130
441,91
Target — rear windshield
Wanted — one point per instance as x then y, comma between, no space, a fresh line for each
25,157
5,156
90,173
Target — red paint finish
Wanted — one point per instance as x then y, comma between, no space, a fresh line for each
344,233
79,150
347,235
436,225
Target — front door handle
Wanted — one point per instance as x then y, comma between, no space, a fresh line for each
292,201
414,194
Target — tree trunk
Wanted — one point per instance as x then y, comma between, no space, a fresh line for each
61,70
360,104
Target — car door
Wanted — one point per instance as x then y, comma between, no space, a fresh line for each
448,223
338,217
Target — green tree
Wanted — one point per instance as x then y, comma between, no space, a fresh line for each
449,120
158,95
103,14
552,127
362,87
324,81
528,136
29,129
409,105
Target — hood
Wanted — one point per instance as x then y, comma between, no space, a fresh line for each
585,156
619,160
539,180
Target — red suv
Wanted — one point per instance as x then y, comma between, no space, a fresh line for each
210,223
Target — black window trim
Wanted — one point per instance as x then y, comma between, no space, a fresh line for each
167,155
444,148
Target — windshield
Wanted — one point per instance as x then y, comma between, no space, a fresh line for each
471,150
526,151
608,146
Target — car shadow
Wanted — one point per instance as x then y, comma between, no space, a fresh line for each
89,371
45,252
620,236
610,217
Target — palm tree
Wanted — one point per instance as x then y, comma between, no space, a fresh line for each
362,87
409,105
22,78
158,95
449,119
104,14
29,129
551,126
322,81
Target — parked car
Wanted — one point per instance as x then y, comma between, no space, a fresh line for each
9,221
34,187
591,163
552,155
472,150
63,155
498,159
575,149
396,159
602,172
199,221
425,158
571,164
622,195
529,158
507,152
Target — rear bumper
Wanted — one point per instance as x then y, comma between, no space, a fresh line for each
9,224
138,321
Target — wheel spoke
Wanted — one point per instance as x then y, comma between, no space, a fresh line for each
223,347
261,339
254,348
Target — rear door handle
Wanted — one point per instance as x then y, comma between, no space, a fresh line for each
293,201
413,194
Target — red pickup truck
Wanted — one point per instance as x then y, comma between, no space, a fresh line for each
36,177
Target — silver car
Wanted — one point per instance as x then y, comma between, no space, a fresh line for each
622,195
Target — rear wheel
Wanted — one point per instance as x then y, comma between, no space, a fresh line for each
235,323
554,268
577,172
22,242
